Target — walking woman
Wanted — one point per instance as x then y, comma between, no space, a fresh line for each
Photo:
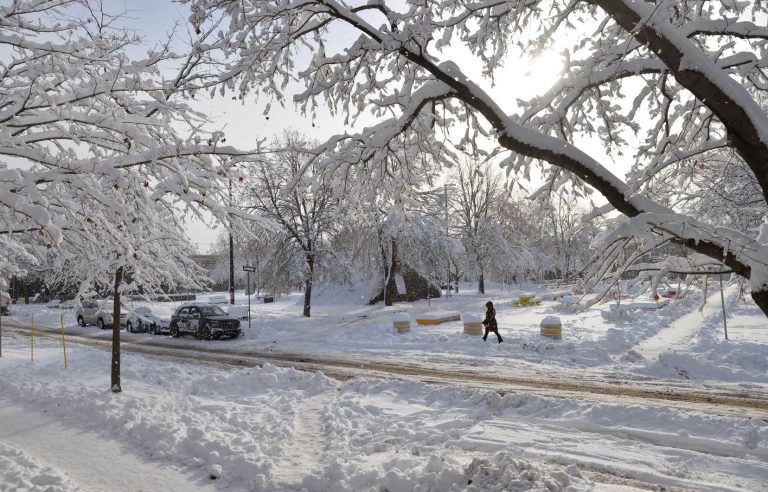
490,322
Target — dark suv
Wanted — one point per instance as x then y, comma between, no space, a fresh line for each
205,321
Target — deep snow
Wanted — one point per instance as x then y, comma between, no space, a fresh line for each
281,429
179,424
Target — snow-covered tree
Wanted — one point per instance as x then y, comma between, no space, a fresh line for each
478,194
565,233
298,198
691,69
98,157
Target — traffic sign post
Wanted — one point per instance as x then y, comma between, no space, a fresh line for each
248,269
7,302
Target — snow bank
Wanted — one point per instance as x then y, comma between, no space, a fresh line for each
403,431
708,356
505,472
232,423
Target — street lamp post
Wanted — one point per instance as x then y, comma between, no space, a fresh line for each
248,270
231,250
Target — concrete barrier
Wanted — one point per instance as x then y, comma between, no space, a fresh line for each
401,322
473,324
437,317
552,327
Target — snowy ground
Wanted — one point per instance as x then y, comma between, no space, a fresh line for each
178,424
676,342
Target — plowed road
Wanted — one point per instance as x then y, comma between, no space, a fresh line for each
745,403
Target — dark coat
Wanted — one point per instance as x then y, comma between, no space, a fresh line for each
490,319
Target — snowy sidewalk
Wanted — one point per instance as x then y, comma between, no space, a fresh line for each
75,459
683,329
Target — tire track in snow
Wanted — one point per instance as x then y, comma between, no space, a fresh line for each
720,401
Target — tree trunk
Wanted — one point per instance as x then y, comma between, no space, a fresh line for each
308,284
116,333
481,283
761,299
390,290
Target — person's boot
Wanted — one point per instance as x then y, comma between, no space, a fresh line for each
484,338
500,340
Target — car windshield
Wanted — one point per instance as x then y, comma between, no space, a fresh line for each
212,311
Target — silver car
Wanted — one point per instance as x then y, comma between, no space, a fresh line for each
97,312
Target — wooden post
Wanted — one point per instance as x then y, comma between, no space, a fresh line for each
63,343
32,340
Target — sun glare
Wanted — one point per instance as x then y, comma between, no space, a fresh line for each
541,73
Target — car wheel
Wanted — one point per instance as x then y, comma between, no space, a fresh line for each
203,333
152,329
140,328
129,327
175,331
80,321
100,324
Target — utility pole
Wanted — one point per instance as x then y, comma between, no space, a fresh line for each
447,244
231,249
248,270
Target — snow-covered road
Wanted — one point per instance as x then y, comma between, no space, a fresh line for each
721,399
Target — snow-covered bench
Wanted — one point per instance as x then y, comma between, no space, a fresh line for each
437,317
527,300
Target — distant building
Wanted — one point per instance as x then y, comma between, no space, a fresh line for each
206,261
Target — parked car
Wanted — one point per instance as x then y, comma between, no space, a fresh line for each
5,304
205,321
97,312
143,319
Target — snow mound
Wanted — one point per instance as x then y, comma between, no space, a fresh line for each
506,472
235,425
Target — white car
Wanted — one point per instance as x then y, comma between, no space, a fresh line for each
143,319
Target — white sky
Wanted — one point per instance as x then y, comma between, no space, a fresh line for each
244,122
